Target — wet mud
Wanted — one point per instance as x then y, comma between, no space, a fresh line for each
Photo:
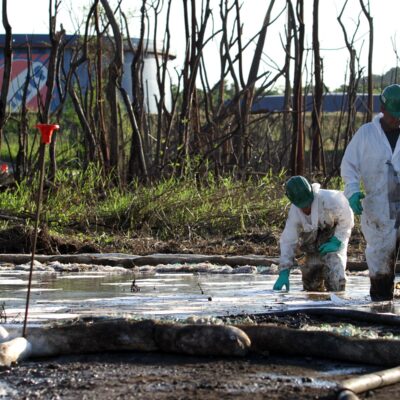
167,376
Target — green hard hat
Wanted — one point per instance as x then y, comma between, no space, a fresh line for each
299,191
390,99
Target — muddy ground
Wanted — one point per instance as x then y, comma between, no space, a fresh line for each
165,376
17,240
168,376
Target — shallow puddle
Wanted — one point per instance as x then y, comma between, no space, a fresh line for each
164,295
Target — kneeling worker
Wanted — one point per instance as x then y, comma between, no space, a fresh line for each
320,223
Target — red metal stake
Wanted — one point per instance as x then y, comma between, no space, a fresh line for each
46,130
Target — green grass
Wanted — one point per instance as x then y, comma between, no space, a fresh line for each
86,203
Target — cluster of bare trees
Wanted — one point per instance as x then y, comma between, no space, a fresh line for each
207,126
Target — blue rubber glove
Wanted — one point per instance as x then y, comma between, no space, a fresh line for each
331,246
283,280
355,202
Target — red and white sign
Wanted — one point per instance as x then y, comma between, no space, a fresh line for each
37,83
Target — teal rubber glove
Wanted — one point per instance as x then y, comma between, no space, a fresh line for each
331,246
283,280
355,202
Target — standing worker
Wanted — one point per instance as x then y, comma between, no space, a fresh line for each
373,158
320,222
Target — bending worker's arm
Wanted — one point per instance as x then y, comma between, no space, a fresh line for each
344,221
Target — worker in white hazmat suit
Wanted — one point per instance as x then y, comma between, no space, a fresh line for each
373,158
319,223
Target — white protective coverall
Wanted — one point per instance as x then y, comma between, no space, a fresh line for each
330,211
366,159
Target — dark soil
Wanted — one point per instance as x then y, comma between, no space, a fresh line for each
17,240
166,376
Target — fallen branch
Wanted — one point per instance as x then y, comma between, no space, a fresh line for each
12,218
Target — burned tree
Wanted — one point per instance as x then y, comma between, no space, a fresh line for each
8,57
195,41
45,108
317,150
241,140
367,13
297,152
137,163
352,88
79,58
115,70
21,162
287,94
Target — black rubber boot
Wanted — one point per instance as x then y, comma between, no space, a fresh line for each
382,287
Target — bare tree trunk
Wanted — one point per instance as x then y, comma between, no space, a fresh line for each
161,81
317,151
297,153
287,100
366,11
78,58
115,71
137,76
137,163
55,40
353,81
90,139
100,119
21,161
195,33
228,156
8,58
241,144
183,140
52,147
